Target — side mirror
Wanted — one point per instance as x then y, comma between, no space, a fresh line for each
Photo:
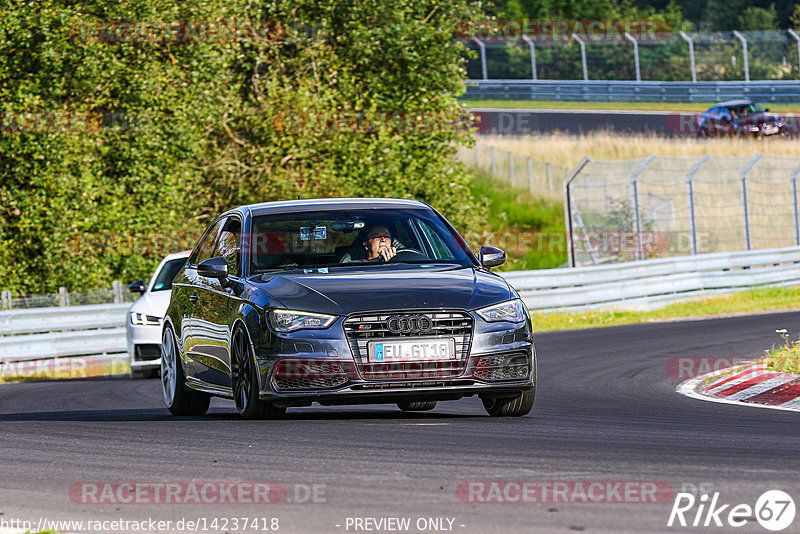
491,256
214,268
137,287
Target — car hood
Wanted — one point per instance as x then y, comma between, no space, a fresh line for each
342,291
154,303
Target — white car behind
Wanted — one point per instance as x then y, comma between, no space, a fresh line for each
145,316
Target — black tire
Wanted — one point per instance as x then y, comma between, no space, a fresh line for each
702,133
178,398
416,406
510,407
244,382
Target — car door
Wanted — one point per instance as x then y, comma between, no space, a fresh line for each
193,286
213,309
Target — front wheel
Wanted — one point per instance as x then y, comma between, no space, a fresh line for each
510,407
179,400
244,382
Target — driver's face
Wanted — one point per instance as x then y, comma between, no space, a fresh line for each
378,237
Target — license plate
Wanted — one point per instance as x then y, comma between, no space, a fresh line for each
407,350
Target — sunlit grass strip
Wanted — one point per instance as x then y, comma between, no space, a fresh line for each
633,106
755,300
784,357
568,150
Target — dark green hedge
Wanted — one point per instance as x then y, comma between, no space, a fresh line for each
116,147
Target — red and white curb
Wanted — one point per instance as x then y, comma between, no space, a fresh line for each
750,385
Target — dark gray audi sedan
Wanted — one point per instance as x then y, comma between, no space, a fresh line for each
343,301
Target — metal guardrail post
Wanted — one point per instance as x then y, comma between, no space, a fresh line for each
796,38
482,46
690,190
530,175
494,162
63,296
568,208
745,207
5,298
116,288
746,59
630,37
532,46
583,56
511,169
795,214
691,54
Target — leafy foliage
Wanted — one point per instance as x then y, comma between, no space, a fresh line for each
116,148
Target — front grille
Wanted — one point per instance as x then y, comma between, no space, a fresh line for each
361,329
146,352
513,366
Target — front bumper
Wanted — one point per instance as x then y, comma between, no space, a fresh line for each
144,346
327,367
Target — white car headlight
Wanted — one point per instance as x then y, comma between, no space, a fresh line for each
140,319
512,311
290,320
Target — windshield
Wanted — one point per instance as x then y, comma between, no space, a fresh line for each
167,273
337,238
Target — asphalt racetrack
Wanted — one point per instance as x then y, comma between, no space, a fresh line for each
606,410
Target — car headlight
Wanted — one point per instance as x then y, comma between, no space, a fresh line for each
290,320
140,319
512,310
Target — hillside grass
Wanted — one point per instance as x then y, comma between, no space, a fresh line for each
624,106
567,150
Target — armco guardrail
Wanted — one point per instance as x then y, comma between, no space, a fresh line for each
630,91
87,330
653,283
44,333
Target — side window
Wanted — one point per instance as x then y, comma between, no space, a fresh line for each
205,248
229,245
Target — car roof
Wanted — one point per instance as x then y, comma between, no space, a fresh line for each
740,102
176,255
285,206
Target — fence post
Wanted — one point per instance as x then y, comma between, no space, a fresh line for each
583,56
690,187
795,215
533,55
511,168
530,175
5,297
549,177
63,296
116,288
745,207
482,46
630,37
637,219
477,160
494,162
796,38
568,209
746,62
691,54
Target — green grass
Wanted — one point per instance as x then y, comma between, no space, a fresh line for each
754,300
520,224
784,357
632,106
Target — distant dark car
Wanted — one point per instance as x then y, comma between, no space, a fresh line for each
285,303
739,117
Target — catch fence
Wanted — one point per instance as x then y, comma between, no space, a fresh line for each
658,207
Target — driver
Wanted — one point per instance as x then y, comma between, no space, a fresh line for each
378,243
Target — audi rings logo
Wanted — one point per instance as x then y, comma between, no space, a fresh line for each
409,324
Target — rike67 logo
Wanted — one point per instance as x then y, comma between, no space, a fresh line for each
774,510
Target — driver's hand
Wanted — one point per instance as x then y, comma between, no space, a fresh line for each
388,253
